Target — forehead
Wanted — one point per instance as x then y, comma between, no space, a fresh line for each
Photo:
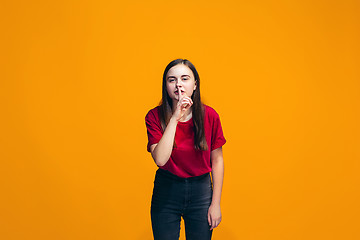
179,70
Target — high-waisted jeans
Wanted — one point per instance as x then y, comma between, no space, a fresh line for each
175,197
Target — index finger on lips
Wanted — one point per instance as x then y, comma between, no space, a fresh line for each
181,96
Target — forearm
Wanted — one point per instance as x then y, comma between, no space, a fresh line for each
163,149
218,177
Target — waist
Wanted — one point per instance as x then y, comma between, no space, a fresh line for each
169,174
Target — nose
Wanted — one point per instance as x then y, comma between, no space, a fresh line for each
178,84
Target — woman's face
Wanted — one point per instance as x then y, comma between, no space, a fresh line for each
180,77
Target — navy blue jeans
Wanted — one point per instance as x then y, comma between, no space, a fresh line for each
175,197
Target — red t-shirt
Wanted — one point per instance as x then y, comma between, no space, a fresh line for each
185,160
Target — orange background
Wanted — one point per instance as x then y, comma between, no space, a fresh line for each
78,77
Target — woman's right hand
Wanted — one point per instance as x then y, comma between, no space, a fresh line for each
182,106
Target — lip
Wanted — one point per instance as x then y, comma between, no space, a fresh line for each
176,92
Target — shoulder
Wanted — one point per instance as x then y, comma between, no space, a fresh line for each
153,113
210,112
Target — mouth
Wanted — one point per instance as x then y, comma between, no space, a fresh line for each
177,92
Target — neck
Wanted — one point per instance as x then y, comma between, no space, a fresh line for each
187,115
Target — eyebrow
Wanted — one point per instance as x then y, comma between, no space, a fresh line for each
181,76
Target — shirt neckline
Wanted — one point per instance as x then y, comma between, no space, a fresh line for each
186,121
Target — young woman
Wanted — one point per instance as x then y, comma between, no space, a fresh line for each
185,140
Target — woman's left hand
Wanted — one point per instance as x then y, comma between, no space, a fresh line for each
214,215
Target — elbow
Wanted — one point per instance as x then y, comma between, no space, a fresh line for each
159,159
158,162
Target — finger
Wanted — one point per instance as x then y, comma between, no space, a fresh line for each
185,96
190,100
213,224
186,106
185,101
181,94
218,222
209,219
181,98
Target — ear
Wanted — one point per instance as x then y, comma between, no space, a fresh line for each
195,85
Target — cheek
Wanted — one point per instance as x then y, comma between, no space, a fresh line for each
169,89
191,87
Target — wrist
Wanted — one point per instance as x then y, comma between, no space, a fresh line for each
174,120
215,204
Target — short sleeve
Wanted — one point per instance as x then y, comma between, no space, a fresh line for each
154,130
217,136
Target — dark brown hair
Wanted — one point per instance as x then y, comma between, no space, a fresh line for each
198,108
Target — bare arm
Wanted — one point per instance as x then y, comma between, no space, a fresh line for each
214,212
217,174
161,151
